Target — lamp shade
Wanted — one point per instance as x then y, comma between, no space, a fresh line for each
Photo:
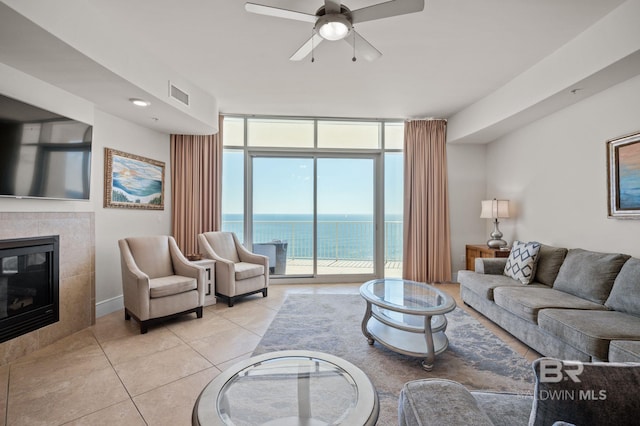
493,209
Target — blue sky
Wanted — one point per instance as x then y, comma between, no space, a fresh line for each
285,185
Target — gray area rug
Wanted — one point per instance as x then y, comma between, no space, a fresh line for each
331,323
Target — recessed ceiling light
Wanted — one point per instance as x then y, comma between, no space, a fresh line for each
139,102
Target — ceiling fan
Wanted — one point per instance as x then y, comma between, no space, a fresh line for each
334,21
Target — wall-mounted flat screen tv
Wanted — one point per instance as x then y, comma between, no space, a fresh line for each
43,154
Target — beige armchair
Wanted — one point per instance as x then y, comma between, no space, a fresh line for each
238,271
158,282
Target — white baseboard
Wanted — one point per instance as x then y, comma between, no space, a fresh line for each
108,306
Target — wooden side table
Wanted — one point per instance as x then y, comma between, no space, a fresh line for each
482,250
209,285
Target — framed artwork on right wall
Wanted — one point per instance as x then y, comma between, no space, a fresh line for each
623,176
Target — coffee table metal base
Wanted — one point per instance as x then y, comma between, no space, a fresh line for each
407,317
406,342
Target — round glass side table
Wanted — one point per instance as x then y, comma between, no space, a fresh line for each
289,388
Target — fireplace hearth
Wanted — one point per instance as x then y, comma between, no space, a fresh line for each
29,285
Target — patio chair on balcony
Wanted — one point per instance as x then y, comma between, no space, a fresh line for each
269,250
238,271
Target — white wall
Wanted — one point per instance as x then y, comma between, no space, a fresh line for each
467,183
555,171
113,224
110,224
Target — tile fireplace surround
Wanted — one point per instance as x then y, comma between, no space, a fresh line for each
77,275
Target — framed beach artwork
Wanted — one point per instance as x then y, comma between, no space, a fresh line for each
132,181
623,169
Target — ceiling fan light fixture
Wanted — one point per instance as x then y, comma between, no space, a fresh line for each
334,31
333,27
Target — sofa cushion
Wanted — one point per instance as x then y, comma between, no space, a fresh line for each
521,263
173,284
590,331
223,245
625,294
624,351
526,302
490,265
549,262
485,285
588,274
438,402
152,255
599,395
248,270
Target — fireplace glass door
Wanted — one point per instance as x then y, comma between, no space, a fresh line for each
28,285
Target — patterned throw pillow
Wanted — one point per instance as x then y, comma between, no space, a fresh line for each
521,264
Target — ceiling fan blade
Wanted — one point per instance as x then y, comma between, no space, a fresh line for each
306,48
332,6
279,13
386,10
362,46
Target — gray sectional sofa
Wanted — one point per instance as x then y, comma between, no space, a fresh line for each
581,305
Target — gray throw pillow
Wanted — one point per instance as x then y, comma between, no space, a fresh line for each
521,263
589,275
585,393
625,294
549,262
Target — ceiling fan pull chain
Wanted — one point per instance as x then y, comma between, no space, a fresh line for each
313,59
354,45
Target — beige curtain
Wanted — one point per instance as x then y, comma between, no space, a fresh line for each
196,187
427,245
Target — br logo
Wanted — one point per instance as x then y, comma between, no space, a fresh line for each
555,371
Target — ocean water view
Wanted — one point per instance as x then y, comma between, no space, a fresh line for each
340,236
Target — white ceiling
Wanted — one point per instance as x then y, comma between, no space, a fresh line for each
434,63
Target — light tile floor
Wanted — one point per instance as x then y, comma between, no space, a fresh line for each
109,374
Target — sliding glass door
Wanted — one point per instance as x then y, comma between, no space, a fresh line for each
345,206
314,215
283,213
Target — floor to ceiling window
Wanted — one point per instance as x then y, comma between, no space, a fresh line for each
321,198
393,198
233,177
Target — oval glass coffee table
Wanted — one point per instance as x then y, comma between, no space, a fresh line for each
289,388
407,317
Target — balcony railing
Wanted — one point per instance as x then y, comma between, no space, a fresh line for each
337,240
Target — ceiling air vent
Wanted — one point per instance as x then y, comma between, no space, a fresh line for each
179,95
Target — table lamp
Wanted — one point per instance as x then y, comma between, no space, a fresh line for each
495,209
